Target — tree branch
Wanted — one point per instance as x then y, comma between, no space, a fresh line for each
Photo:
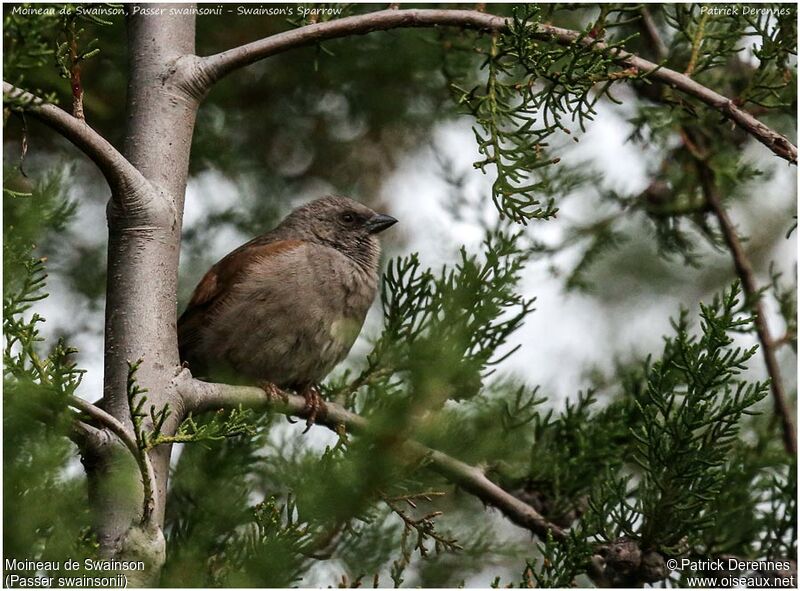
123,178
753,294
742,265
129,441
208,70
203,396
87,437
651,31
221,64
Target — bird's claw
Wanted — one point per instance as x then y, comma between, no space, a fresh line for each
273,392
314,404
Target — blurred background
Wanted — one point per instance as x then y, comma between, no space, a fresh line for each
373,117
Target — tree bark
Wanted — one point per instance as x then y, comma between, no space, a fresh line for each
143,254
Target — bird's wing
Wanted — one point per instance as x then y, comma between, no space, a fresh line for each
218,281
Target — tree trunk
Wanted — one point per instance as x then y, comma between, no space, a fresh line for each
143,254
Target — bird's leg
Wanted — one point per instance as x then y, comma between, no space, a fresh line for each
272,391
314,404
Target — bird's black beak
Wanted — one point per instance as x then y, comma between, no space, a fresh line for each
379,222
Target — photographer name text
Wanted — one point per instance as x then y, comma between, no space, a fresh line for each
737,10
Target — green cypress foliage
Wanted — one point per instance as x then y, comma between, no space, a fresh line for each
670,455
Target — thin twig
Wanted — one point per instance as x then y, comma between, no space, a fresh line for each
203,396
753,294
204,72
75,73
651,32
424,526
129,440
697,42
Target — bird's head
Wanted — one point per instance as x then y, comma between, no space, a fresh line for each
343,224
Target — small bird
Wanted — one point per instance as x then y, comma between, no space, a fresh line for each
285,308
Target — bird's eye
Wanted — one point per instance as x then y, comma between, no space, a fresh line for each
348,218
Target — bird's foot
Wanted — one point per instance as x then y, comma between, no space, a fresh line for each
314,404
273,393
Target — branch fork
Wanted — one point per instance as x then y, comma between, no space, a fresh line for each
126,438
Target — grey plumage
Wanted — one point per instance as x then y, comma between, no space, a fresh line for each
286,307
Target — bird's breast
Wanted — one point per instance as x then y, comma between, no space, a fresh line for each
344,330
294,318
